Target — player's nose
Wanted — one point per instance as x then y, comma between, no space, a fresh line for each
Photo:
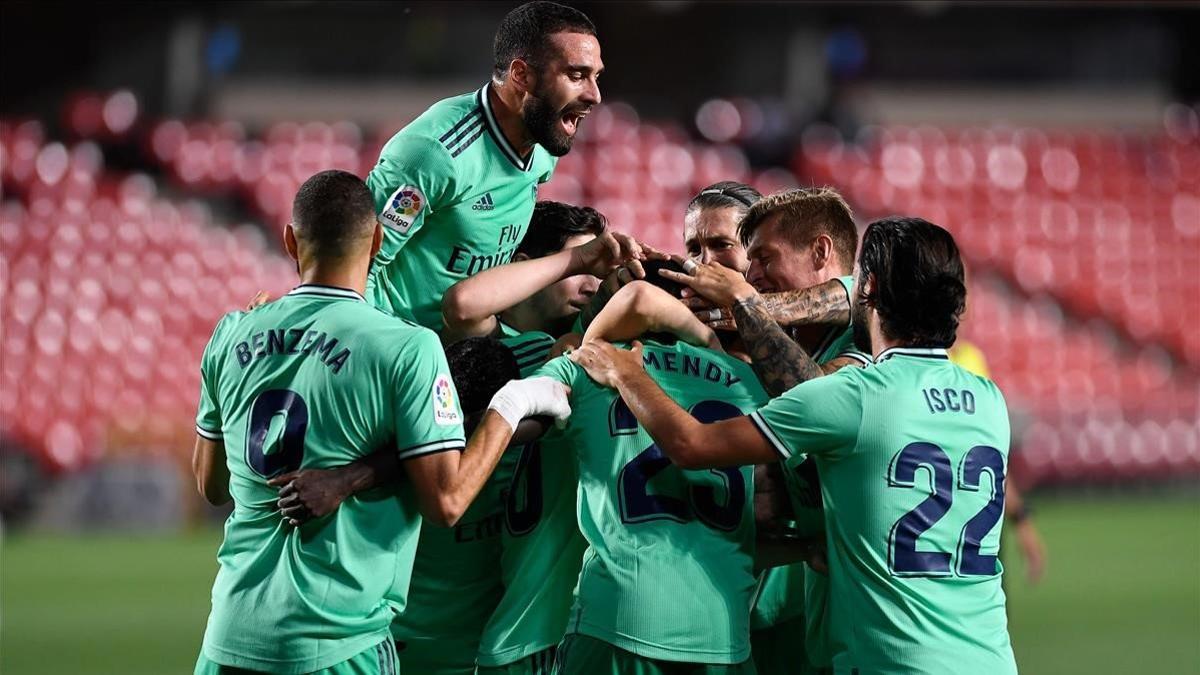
589,286
706,256
591,92
754,274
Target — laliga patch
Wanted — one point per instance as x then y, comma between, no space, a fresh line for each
403,207
445,412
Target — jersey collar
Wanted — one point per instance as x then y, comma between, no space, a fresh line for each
920,352
323,291
497,134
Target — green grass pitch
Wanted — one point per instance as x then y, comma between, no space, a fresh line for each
1122,595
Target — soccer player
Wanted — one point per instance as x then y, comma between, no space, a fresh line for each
464,602
912,453
667,579
455,188
318,378
710,224
794,239
457,587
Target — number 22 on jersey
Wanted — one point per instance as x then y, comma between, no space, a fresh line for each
903,557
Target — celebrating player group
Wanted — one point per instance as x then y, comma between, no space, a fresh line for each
487,434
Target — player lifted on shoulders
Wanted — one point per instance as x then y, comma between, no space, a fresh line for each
455,188
913,490
315,379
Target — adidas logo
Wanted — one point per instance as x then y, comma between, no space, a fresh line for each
484,203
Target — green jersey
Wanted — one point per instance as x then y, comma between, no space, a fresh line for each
454,198
456,584
316,379
912,453
791,591
668,572
542,546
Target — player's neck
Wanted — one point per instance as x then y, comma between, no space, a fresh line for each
506,106
879,342
353,277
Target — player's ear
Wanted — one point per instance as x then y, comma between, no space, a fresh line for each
376,239
522,75
289,242
519,257
822,251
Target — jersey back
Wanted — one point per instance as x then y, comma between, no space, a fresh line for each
542,548
912,454
454,199
668,573
316,379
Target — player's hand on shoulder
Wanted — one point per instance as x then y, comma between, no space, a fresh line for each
605,363
564,345
309,494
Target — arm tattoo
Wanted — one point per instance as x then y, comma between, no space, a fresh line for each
778,361
823,304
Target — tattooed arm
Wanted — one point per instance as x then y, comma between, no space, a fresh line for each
778,361
824,304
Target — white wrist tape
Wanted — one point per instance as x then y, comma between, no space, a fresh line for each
535,396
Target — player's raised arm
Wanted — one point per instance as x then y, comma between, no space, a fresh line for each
825,304
469,307
640,307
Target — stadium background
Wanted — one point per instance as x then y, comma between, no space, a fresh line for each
149,155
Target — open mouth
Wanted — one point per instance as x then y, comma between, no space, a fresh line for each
570,121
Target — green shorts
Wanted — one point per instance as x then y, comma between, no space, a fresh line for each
779,650
377,660
430,656
538,663
585,655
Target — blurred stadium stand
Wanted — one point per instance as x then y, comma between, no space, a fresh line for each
143,192
110,281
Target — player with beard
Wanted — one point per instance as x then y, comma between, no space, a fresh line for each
791,240
912,454
456,187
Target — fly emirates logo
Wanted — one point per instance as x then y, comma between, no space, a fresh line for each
466,262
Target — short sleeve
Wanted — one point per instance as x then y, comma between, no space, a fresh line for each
562,369
414,177
428,417
820,417
209,423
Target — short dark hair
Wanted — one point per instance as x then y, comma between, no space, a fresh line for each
524,33
332,209
806,214
725,194
919,289
553,223
479,366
